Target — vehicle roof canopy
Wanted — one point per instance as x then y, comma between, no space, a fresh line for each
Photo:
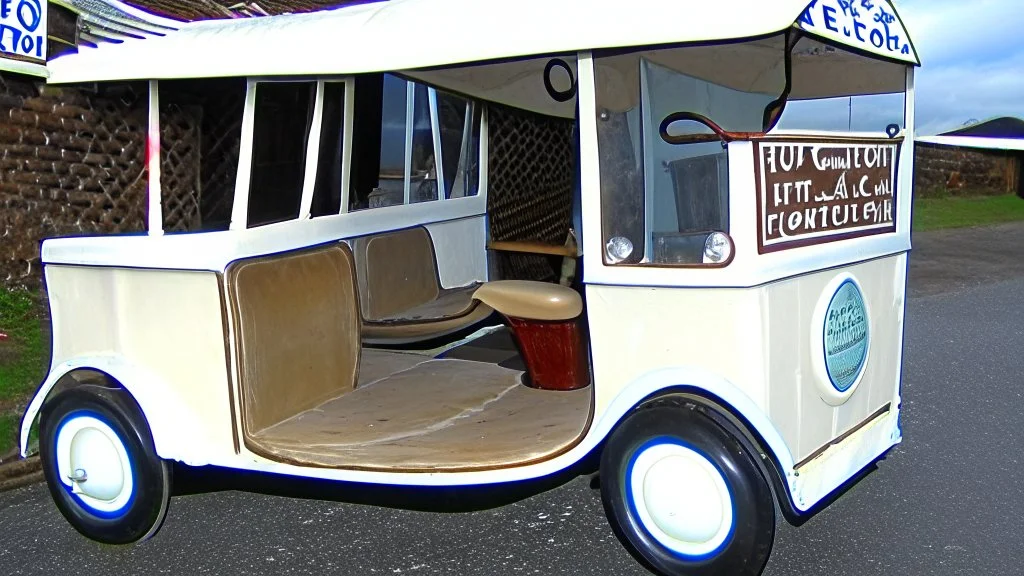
430,39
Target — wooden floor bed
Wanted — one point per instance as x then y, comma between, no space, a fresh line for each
410,412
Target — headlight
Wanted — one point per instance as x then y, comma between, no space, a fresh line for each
618,249
717,248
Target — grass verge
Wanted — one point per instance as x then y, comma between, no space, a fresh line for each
21,359
8,432
961,212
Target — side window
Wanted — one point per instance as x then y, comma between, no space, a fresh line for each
688,184
869,107
394,113
424,145
283,115
459,125
327,189
423,170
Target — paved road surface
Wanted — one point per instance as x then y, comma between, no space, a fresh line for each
949,500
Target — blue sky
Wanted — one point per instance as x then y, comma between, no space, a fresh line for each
972,56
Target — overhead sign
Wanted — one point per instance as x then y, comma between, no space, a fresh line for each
870,25
815,192
23,29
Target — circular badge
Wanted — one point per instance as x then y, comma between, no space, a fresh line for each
845,336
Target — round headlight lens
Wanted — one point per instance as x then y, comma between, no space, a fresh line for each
717,248
618,249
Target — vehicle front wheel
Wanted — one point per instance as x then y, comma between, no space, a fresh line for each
101,466
684,496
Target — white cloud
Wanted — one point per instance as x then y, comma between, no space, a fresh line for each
972,57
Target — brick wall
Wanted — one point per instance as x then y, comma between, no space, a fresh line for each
72,163
942,170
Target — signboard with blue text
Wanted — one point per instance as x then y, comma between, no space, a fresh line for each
23,29
869,25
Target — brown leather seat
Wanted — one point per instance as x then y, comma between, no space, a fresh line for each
400,294
531,300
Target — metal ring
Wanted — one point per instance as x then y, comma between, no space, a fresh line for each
556,95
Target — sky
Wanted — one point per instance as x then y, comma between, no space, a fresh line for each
972,60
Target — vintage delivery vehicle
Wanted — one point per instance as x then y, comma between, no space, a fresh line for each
470,243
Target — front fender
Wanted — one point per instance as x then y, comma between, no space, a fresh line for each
172,425
701,381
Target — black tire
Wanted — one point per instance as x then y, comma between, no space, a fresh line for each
746,547
145,505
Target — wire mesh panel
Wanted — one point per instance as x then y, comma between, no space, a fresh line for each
531,175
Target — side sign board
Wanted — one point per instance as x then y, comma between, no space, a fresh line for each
870,25
23,29
812,192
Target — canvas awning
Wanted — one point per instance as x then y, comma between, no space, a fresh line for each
416,34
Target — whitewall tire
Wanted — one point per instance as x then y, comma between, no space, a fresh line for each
100,464
684,496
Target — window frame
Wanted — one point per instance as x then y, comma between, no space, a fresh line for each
243,178
240,202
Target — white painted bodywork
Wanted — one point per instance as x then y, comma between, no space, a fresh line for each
335,41
739,334
466,239
157,332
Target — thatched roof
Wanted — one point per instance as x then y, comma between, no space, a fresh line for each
208,9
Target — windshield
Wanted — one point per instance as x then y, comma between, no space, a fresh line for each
665,117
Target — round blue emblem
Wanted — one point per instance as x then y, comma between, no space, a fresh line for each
846,336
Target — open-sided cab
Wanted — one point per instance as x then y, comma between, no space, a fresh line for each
656,230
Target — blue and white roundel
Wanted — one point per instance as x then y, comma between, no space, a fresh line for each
845,336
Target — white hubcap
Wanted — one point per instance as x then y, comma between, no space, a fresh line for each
681,499
93,462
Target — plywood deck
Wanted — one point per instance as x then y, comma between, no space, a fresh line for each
414,413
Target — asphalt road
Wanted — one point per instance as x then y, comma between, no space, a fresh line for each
949,500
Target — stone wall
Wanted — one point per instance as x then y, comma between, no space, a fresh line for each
949,170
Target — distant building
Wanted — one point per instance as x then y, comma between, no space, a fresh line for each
980,159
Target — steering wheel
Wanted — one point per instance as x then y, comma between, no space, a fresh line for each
559,95
719,133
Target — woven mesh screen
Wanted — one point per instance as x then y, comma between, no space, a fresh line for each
179,165
222,137
200,135
530,178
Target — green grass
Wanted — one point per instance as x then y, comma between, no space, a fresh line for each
21,359
961,212
8,434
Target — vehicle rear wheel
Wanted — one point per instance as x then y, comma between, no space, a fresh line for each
684,496
101,466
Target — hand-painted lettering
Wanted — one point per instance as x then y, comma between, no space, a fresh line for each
867,24
23,27
821,190
830,18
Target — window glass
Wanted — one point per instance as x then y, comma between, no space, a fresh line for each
327,190
283,114
660,201
686,185
836,90
863,113
421,131
390,190
459,123
620,150
423,173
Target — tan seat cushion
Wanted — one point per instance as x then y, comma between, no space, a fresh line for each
397,272
531,300
297,331
448,304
